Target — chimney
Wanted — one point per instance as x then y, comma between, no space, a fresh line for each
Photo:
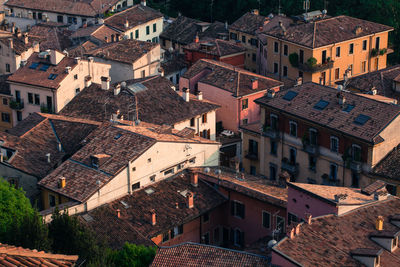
25,38
226,25
256,12
153,217
118,213
67,69
194,178
185,94
105,83
88,81
339,198
254,83
59,147
271,93
308,218
284,178
197,39
105,39
299,81
12,29
189,197
48,157
297,229
11,43
380,195
290,231
126,24
117,89
143,2
18,33
77,59
341,99
379,223
176,205
61,182
161,71
199,95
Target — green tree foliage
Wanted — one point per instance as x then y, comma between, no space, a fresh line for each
132,255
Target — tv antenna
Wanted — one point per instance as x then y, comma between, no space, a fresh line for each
306,6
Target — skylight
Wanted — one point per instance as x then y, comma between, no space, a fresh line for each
361,119
348,108
321,105
44,67
149,191
117,136
34,65
52,76
290,95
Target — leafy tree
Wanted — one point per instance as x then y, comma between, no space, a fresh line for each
132,255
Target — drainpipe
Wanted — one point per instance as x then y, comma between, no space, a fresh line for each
280,60
129,177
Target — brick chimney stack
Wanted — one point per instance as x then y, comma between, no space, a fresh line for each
290,231
254,83
118,213
197,39
379,223
153,217
194,178
189,197
308,218
185,94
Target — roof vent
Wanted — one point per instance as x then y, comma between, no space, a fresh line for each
124,204
358,30
67,69
339,198
48,157
105,83
149,191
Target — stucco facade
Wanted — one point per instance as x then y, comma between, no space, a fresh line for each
250,56
200,125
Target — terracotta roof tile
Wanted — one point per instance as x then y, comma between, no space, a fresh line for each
192,254
158,103
18,256
329,240
248,23
51,37
175,62
19,46
216,47
388,167
225,76
82,49
378,114
182,30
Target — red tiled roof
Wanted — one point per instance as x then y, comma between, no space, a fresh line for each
248,23
51,37
18,256
329,240
183,30
192,254
135,15
163,200
333,116
325,31
125,51
216,47
226,76
37,77
158,103
19,46
388,167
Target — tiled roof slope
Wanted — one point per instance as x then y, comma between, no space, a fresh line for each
18,256
125,51
192,254
216,29
216,47
325,31
247,184
4,86
51,37
381,80
175,62
163,200
135,15
329,240
183,30
158,104
88,8
248,23
81,50
334,116
39,135
100,32
225,76
19,46
388,167
37,77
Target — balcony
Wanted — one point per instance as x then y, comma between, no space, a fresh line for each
290,167
46,109
270,132
17,104
311,149
356,166
251,155
328,180
315,68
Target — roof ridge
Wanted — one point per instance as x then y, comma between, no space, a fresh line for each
67,118
37,125
40,254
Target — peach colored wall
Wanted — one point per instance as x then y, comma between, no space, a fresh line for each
8,56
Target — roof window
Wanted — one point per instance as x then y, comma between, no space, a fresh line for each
290,95
44,67
348,108
321,105
52,76
361,119
117,136
34,65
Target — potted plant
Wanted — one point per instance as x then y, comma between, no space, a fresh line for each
374,52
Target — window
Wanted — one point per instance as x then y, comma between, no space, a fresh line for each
293,128
233,36
301,56
243,39
395,242
272,171
355,179
192,160
377,40
300,74
131,35
285,71
313,137
276,47
136,34
245,121
254,57
254,42
237,209
292,155
351,49
266,219
52,200
37,99
312,163
30,98
238,238
376,63
135,186
253,170
216,236
8,69
204,118
5,101
5,117
206,217
333,171
274,147
292,218
60,19
334,144
280,223
152,178
324,56
245,104
76,77
192,122
170,171
143,73
147,30
77,90
253,147
337,74
338,51
285,50
356,153
364,45
19,115
276,68
274,122
40,16
165,236
154,27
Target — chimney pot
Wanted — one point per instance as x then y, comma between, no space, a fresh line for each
48,157
105,83
117,89
341,99
254,84
199,95
290,231
271,93
190,201
126,23
25,37
11,43
379,223
61,182
118,213
197,39
185,94
297,229
308,218
143,2
59,147
194,178
176,205
153,217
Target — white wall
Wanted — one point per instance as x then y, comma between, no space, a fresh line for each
199,126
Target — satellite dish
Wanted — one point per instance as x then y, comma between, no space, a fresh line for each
340,88
271,243
217,172
123,84
206,170
171,49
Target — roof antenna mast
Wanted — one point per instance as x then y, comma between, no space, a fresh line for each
279,8
306,6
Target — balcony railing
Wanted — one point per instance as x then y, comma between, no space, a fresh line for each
251,155
46,109
356,166
315,68
290,167
270,132
311,149
17,104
